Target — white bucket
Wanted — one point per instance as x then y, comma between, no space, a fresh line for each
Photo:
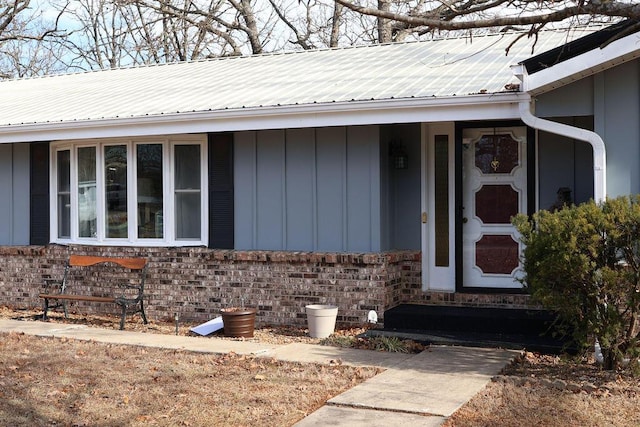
321,320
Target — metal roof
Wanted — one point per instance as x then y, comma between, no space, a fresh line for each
426,69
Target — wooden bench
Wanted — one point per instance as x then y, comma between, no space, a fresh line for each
116,285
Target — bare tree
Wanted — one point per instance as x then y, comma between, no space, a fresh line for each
9,12
29,58
113,33
448,15
25,40
232,23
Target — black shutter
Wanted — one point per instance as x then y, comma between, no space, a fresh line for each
221,191
39,197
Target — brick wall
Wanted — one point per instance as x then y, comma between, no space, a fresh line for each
197,282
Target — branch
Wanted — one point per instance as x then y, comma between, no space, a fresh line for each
611,9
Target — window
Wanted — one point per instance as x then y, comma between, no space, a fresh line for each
64,194
187,191
139,191
441,196
150,191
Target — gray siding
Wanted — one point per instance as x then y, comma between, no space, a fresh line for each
301,189
270,189
14,192
363,189
308,189
331,182
617,103
575,99
402,195
612,98
563,162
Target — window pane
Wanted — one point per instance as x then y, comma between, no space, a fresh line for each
149,182
497,154
496,254
187,166
496,204
64,193
115,167
87,192
188,215
187,187
441,161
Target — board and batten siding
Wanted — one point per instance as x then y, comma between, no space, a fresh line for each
15,193
609,102
308,189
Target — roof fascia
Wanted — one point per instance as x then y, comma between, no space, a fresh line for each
408,110
578,67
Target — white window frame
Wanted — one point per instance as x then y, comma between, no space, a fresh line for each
168,166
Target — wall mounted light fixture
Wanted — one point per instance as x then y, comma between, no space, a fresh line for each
399,158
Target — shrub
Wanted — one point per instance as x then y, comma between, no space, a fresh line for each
584,261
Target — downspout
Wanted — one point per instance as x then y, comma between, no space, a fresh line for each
599,152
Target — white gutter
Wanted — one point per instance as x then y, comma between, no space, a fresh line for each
599,153
348,113
586,64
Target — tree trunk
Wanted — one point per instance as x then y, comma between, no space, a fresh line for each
384,25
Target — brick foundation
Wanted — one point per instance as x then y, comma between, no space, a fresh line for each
197,282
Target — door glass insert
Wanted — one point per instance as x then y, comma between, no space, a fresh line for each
497,254
496,204
496,154
441,187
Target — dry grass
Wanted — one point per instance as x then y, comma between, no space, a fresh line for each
505,404
47,381
527,396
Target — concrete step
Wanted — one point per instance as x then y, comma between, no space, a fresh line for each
478,326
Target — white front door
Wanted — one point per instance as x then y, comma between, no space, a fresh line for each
494,168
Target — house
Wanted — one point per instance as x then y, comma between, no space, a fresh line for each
366,177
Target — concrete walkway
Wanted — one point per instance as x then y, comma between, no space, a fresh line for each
415,389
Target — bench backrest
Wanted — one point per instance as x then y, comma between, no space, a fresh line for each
105,274
86,261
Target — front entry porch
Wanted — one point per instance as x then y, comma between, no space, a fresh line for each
475,176
489,326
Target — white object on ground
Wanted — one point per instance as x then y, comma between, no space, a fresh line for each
597,353
372,317
208,327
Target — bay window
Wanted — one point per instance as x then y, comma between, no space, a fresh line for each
145,191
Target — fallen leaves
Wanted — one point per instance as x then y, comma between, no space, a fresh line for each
73,381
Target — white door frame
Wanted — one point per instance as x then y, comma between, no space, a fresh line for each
437,277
